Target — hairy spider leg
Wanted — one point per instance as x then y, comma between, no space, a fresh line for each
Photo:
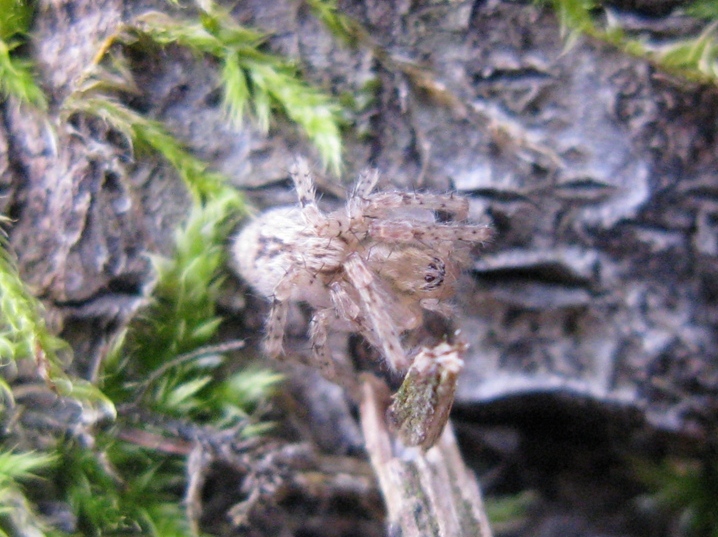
403,316
444,309
427,232
318,335
335,224
379,204
365,184
304,184
354,212
331,369
275,328
348,309
379,319
278,314
344,304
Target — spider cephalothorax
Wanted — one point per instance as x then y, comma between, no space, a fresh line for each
370,268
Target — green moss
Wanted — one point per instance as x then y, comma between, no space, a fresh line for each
685,490
250,77
16,75
695,58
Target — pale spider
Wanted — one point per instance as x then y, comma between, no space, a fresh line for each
369,268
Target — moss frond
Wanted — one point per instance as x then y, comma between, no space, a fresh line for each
507,511
129,486
17,515
699,55
302,104
182,318
339,24
189,279
15,17
123,489
693,58
16,466
241,393
686,489
16,76
16,79
164,363
704,9
249,75
24,333
236,91
144,133
574,14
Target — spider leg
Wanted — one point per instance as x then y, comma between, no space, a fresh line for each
345,305
349,223
318,335
275,328
442,308
365,184
379,320
357,199
348,309
335,224
331,369
278,314
304,183
381,203
401,231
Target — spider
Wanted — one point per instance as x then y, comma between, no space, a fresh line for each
370,268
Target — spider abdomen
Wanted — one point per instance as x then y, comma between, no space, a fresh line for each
278,243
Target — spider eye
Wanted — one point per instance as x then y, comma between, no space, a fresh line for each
434,275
